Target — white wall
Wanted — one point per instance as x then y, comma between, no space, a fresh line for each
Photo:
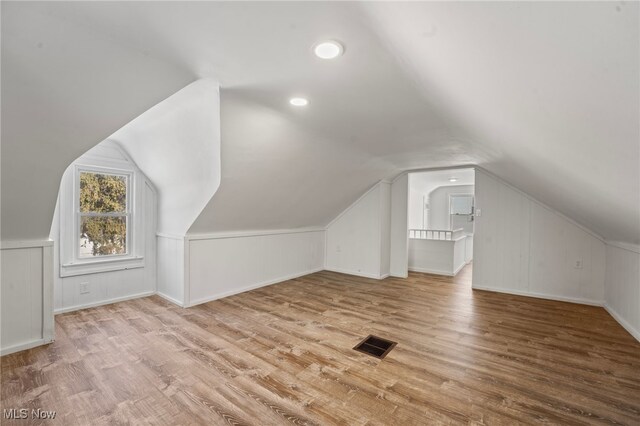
524,247
104,288
176,144
399,244
439,217
441,257
417,200
136,278
222,265
355,238
66,86
459,254
385,231
552,138
622,286
203,267
468,249
26,295
171,268
423,183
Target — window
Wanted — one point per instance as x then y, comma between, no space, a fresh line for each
461,212
461,204
103,214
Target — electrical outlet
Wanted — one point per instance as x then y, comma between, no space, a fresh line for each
338,249
84,288
578,264
478,212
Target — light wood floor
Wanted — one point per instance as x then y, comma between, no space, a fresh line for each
282,354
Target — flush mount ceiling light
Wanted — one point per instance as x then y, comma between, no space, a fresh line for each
298,101
328,49
453,179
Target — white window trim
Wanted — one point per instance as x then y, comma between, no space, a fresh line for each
128,213
71,264
451,196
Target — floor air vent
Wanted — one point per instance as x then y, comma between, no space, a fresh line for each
375,346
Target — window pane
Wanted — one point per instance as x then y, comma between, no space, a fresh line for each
103,193
103,236
461,204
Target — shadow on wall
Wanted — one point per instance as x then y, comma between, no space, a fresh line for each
59,101
177,145
170,158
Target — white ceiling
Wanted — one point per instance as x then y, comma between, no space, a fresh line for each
552,89
425,182
65,88
185,179
544,95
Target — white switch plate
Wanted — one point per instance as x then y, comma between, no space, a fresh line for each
478,212
578,264
84,288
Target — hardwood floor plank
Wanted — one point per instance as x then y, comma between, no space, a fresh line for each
283,354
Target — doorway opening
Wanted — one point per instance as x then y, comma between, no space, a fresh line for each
440,223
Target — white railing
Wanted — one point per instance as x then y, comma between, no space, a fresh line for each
435,234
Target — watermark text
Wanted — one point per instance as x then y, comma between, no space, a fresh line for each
25,413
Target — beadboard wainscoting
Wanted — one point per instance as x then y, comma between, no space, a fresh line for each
524,247
359,238
99,282
171,267
199,268
440,257
622,285
26,295
220,265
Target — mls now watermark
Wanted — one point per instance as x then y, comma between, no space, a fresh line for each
25,413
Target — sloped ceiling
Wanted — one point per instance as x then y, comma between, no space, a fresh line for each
176,144
65,88
552,88
425,182
545,95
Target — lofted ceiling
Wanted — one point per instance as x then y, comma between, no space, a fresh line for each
425,182
176,144
544,95
65,88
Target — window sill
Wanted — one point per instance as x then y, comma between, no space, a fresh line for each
102,265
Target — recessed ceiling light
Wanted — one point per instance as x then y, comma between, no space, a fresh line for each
298,101
328,49
453,180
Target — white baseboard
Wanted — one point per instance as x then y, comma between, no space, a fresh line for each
542,296
460,268
623,322
103,302
250,287
24,346
400,276
433,271
170,299
356,273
